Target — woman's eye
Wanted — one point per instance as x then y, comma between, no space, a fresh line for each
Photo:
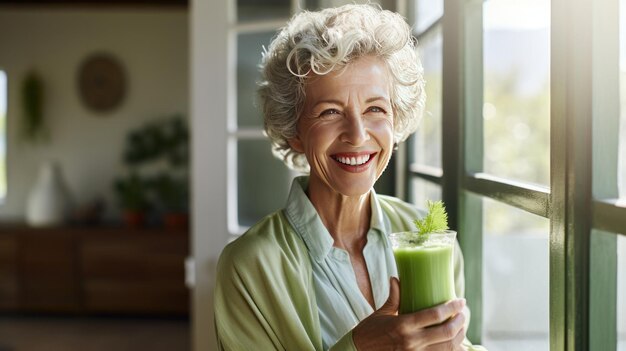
330,112
376,109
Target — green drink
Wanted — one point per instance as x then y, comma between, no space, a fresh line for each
425,268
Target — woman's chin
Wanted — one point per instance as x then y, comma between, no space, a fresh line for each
357,188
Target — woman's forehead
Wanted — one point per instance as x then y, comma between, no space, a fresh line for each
367,77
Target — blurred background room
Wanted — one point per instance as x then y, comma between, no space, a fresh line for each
132,152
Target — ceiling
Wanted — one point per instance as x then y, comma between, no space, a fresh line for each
96,3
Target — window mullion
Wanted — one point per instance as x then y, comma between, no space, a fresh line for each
609,215
533,199
471,207
462,139
570,173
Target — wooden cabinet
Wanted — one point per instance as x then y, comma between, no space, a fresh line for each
8,272
93,271
139,273
48,279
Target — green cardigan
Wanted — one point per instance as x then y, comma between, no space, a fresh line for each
264,295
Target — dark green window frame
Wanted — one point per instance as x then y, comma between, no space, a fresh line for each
581,202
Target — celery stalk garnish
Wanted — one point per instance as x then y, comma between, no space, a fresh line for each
435,221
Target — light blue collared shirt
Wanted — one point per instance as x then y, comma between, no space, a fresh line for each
339,300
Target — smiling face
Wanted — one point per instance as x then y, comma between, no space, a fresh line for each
346,127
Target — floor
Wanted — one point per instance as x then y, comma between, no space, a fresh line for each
27,333
542,343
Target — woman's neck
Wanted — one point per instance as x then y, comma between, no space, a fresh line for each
347,218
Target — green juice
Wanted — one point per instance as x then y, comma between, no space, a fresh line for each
426,275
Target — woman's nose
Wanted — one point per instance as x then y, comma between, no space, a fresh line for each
355,132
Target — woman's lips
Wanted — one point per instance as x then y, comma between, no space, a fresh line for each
354,162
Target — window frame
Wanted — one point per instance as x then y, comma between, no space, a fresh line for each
235,133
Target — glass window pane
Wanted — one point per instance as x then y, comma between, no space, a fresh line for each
249,48
386,183
422,190
622,67
263,181
621,293
427,139
516,108
426,13
515,268
312,5
257,10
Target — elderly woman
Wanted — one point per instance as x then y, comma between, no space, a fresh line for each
341,88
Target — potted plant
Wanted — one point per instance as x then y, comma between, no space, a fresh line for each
172,196
160,147
131,192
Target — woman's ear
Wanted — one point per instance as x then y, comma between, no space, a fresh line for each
296,144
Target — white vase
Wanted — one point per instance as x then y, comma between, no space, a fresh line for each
48,201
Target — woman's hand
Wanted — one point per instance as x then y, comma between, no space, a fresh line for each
437,328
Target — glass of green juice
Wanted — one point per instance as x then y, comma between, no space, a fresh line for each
425,268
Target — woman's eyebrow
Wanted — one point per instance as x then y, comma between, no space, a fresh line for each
337,102
328,101
377,98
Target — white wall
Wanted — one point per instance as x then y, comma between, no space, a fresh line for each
212,60
153,48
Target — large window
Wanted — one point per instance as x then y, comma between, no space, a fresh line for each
528,102
258,182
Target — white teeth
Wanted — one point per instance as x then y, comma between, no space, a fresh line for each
354,161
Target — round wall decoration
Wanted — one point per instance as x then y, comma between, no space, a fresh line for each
101,82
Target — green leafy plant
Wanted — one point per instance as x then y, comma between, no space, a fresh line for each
32,97
172,193
436,220
163,139
157,155
131,192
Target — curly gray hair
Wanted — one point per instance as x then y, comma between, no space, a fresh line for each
320,42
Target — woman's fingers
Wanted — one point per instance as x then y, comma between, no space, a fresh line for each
455,344
393,302
441,325
436,315
446,332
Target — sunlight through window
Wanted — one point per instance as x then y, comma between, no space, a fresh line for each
516,108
